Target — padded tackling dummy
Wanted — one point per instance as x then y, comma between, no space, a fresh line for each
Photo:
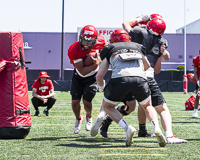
15,119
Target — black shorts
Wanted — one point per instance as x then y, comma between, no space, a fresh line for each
156,95
118,88
129,97
83,87
197,87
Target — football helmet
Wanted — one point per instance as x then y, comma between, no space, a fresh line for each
155,16
88,37
119,35
156,26
189,75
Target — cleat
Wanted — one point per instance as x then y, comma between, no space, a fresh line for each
104,127
129,135
174,139
161,139
77,126
88,123
195,115
46,112
145,134
37,113
96,126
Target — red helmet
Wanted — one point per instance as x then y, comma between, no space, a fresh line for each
156,26
156,16
152,17
119,35
88,35
189,75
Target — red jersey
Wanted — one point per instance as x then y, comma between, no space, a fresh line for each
43,89
196,62
75,51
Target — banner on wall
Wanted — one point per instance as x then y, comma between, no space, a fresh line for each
106,32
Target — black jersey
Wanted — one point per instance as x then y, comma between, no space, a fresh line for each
152,43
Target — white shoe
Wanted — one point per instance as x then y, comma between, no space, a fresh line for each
88,123
195,115
129,135
174,139
161,139
95,128
77,126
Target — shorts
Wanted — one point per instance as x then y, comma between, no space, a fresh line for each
197,87
156,95
118,88
83,87
129,97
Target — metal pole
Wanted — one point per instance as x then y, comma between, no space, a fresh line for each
185,82
62,42
185,36
123,10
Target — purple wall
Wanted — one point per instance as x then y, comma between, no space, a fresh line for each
46,49
176,49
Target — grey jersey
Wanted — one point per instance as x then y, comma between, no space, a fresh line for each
124,68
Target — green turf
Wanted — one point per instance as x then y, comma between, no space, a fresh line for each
53,138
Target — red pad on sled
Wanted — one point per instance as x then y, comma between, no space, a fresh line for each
15,119
189,104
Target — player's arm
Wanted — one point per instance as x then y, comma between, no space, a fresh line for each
127,25
101,73
196,74
86,69
52,93
165,53
34,94
157,67
146,63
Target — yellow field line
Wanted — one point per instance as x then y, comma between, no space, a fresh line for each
133,154
130,148
108,132
106,143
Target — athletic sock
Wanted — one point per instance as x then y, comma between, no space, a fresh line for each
123,124
169,134
195,110
102,114
156,126
142,127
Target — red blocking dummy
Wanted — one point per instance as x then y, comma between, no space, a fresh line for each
15,119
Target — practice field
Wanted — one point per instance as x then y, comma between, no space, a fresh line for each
53,138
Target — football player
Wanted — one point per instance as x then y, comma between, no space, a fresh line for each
196,76
150,37
128,78
84,85
156,49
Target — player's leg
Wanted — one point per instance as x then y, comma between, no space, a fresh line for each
196,105
144,101
76,93
89,93
125,109
51,101
109,107
36,103
160,105
142,124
